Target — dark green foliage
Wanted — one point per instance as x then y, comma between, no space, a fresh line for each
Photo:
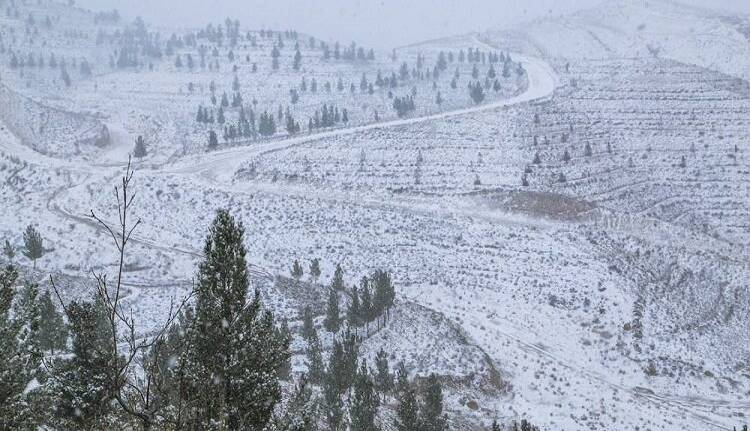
524,425
383,377
33,244
308,326
81,382
431,416
315,269
338,278
404,105
354,312
301,410
476,91
363,405
9,251
407,409
53,332
20,356
297,271
236,351
315,367
140,148
213,140
332,321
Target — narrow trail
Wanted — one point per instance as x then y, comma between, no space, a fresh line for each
218,167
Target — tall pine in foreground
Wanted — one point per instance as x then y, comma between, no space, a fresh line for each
407,409
236,351
364,403
80,382
432,417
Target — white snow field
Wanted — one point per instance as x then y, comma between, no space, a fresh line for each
572,250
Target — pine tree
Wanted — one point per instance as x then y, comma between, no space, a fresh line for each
354,312
366,308
297,271
33,244
236,351
53,333
20,356
364,403
301,411
140,148
308,326
432,417
334,413
315,367
495,426
383,378
314,269
82,382
348,367
9,251
338,278
407,410
332,321
213,140
297,60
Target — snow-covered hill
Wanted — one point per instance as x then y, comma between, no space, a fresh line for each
640,28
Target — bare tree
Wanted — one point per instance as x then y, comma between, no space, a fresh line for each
132,386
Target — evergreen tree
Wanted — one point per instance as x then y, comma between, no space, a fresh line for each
53,333
432,417
315,367
364,403
383,378
476,91
297,270
33,244
297,60
334,413
140,148
301,412
348,367
314,269
213,140
308,326
236,351
354,312
338,278
20,356
9,251
407,409
81,382
366,308
332,321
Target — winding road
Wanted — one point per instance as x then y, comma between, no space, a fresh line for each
219,167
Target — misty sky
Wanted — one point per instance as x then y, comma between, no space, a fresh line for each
378,23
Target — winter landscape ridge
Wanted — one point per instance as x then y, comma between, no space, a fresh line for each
562,209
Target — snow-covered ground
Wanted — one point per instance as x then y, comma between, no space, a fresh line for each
616,299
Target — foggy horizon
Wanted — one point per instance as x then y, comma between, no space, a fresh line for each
382,24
